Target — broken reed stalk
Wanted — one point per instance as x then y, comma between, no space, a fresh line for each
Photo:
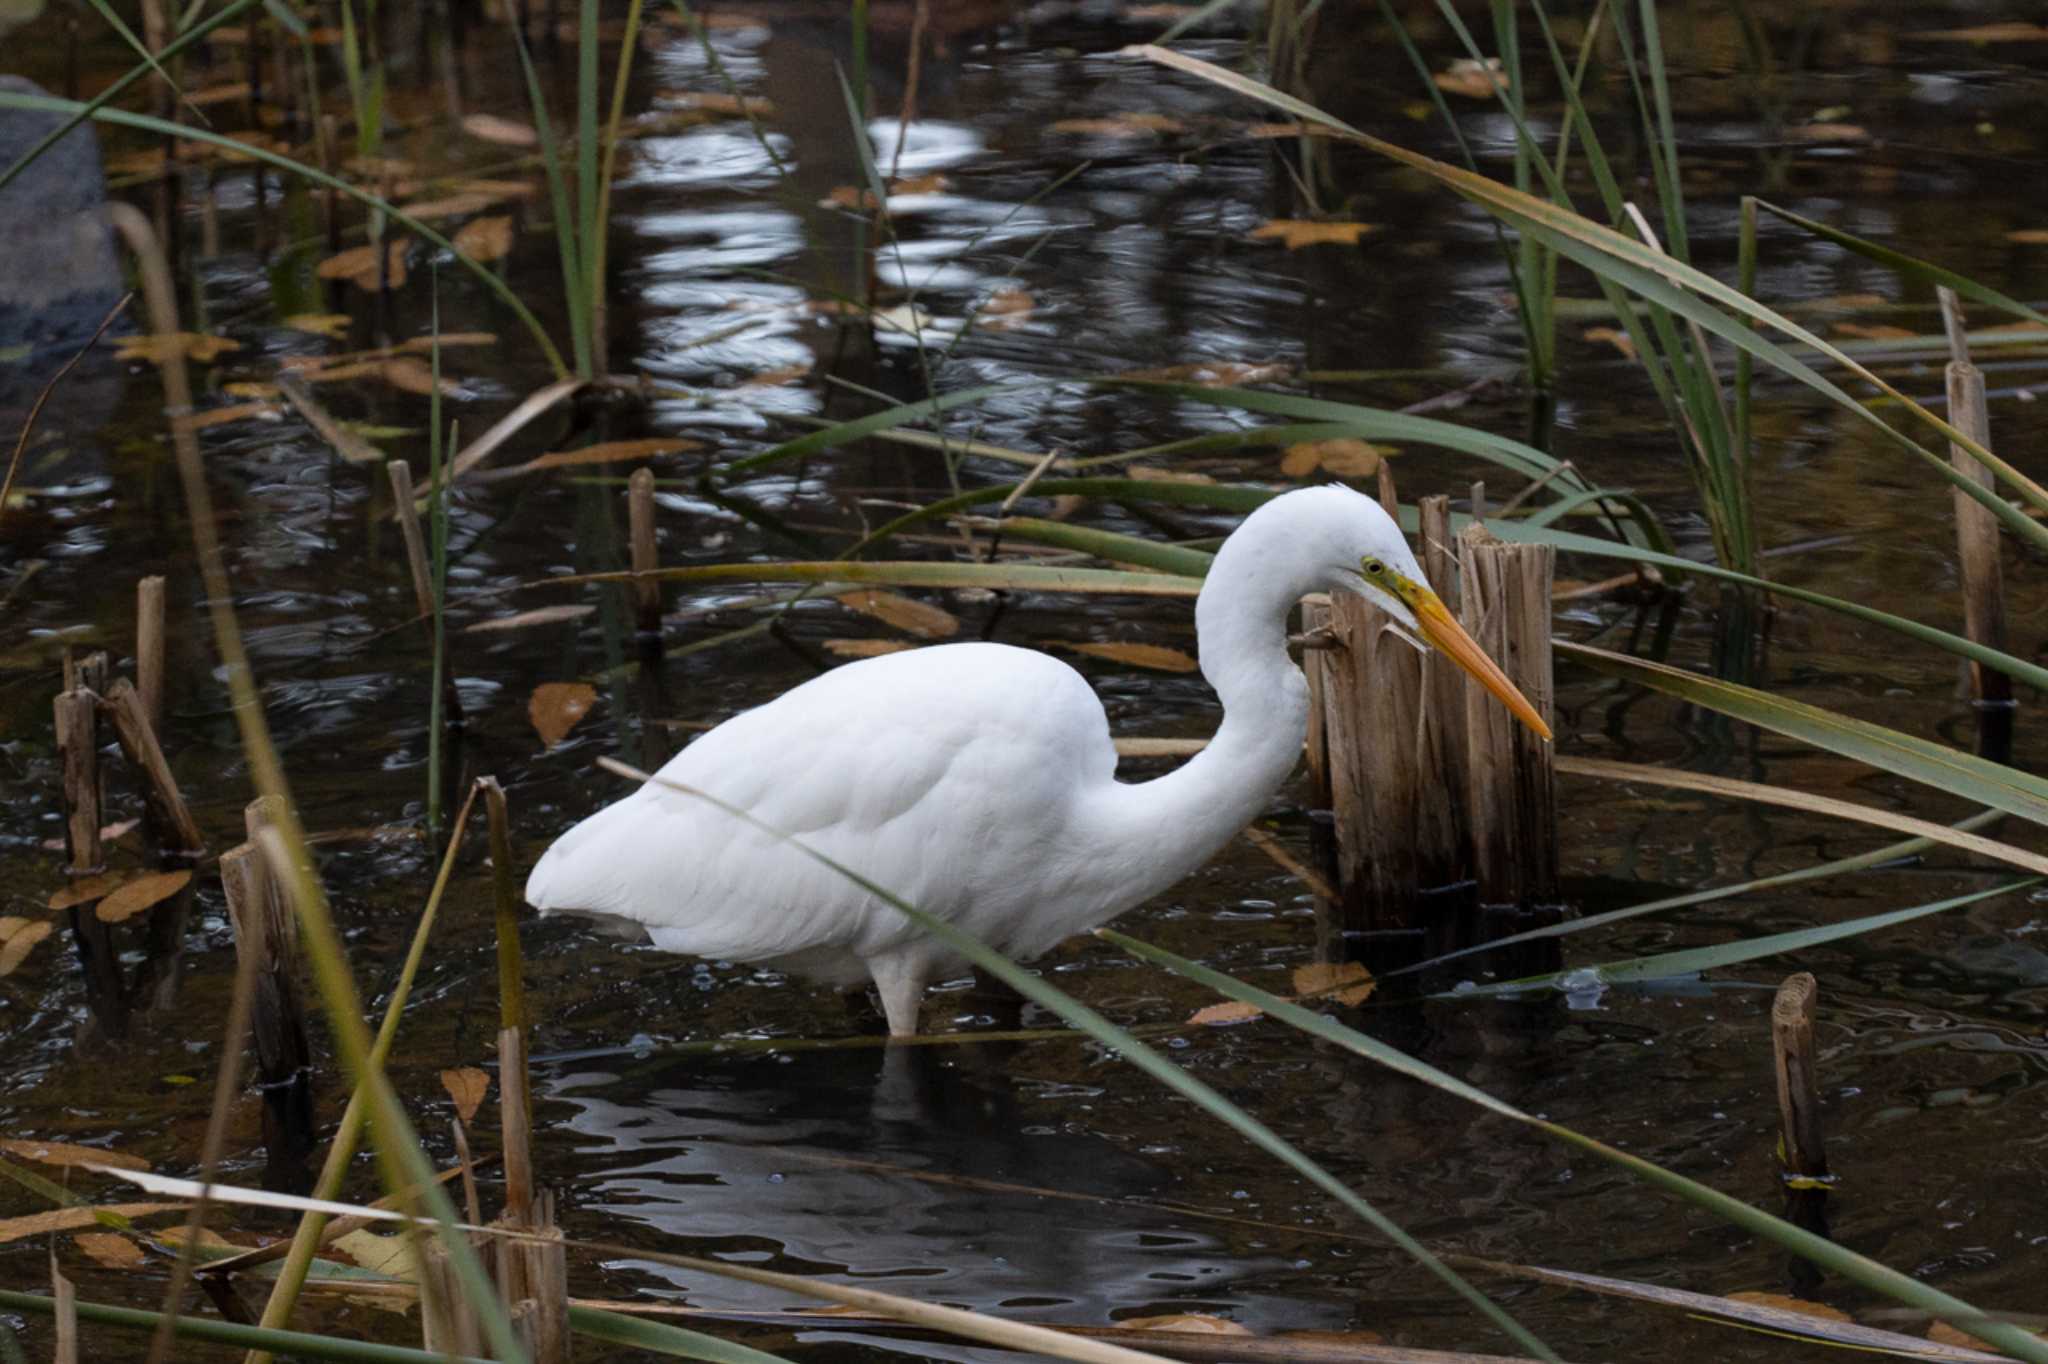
149,647
1976,527
1801,1146
170,819
515,1114
78,754
267,936
511,962
640,517
415,539
448,1322
1511,782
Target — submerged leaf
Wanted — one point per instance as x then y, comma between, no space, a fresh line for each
1297,233
139,894
914,617
1121,125
87,888
466,1085
555,707
503,131
359,265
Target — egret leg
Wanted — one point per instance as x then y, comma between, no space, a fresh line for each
899,980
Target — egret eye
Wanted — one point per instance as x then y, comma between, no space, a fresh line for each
1374,568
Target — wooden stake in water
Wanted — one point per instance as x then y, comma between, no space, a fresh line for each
1977,537
1511,788
1800,1143
149,647
640,516
1442,832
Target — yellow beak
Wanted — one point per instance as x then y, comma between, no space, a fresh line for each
1448,636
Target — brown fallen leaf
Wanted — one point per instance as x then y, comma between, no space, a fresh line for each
1872,331
466,1085
1346,982
865,648
1223,1015
448,206
21,942
1941,1333
1827,132
109,1250
913,617
1298,232
416,376
141,893
1614,337
1157,657
2029,236
69,1154
1272,130
718,102
1344,456
358,265
173,1238
194,346
80,1215
555,707
223,416
2013,31
243,388
611,452
1121,125
424,345
1783,1303
1194,1323
1213,373
503,131
485,239
1147,473
89,888
218,94
540,615
775,378
1472,79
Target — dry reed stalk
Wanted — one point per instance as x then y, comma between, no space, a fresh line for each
149,647
511,962
515,1109
78,753
640,517
64,1299
1976,527
448,1321
170,819
1511,792
409,529
1801,1144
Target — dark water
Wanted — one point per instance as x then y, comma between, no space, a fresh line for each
1073,1190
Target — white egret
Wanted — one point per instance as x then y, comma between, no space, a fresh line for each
978,781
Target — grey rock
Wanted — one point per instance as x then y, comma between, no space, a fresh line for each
58,271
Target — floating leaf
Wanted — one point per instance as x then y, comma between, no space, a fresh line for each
540,615
466,1085
503,131
1827,132
1195,1323
140,894
1213,374
194,346
1223,1015
914,617
82,1215
20,943
865,648
611,452
1121,125
1346,982
415,376
555,707
1300,232
359,265
1344,456
109,1250
1145,473
87,888
1155,656
70,1154
425,345
1472,79
486,238
1614,337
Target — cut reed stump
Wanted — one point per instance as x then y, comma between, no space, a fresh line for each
149,648
640,519
170,820
1432,784
1977,540
267,935
78,755
1801,1147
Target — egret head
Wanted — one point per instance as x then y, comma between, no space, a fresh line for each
1372,559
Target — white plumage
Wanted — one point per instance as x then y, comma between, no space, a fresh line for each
978,782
